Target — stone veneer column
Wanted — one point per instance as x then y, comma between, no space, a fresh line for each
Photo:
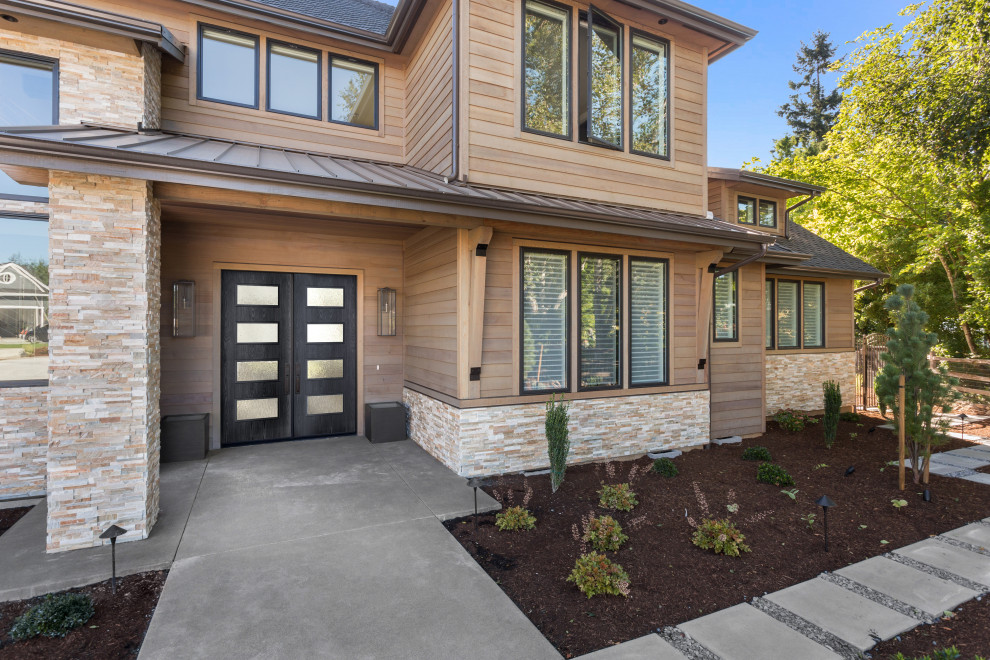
104,373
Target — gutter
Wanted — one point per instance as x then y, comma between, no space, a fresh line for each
876,283
455,37
748,260
787,213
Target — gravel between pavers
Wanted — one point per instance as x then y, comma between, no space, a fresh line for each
948,540
937,572
878,597
681,641
807,628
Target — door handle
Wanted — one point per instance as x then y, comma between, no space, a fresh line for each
287,373
297,378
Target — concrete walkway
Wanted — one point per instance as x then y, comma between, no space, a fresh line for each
836,615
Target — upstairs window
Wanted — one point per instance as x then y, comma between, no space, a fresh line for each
768,213
353,92
545,320
29,97
599,352
600,70
726,300
546,69
649,81
746,210
294,80
228,66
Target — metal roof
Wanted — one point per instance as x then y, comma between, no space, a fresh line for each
824,255
196,153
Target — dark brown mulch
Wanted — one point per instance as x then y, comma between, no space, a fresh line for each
9,516
116,630
672,581
968,630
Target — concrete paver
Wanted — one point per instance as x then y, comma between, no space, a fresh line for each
979,453
926,592
649,647
743,632
846,615
978,477
970,565
962,462
975,534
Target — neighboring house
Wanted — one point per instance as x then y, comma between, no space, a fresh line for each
524,181
23,303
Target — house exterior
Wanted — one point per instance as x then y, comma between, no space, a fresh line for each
277,212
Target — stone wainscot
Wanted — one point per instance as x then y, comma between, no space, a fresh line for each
794,380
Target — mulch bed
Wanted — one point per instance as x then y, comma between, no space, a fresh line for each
672,581
968,630
9,516
116,630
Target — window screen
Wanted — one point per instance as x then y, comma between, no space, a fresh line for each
726,312
788,311
293,80
649,96
647,322
814,316
601,296
228,66
546,48
544,320
353,92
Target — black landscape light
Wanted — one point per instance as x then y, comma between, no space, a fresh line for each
962,418
825,502
475,483
112,532
850,470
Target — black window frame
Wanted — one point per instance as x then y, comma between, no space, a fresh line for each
620,316
620,37
821,315
735,309
37,59
759,213
354,60
200,58
800,314
568,321
633,33
569,136
771,297
268,78
756,210
666,324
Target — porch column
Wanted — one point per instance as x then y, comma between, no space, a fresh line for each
104,373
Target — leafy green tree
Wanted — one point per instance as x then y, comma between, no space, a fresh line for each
545,71
812,111
926,390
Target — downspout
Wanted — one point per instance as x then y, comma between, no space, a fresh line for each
748,260
455,37
787,213
876,283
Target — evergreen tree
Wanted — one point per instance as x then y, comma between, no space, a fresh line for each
811,111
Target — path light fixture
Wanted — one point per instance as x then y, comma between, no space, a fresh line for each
825,502
850,470
962,418
475,483
112,532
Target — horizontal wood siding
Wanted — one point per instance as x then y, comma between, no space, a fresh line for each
501,154
429,100
737,371
430,309
840,324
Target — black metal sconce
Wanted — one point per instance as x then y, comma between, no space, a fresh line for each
825,502
184,308
386,312
112,532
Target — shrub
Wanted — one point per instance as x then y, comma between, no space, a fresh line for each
595,574
664,467
515,519
769,473
756,454
790,420
951,653
721,536
558,444
618,497
849,417
604,534
833,402
55,616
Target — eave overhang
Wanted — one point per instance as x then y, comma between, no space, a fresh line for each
732,34
765,180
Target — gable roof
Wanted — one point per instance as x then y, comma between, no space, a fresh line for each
19,271
824,257
361,14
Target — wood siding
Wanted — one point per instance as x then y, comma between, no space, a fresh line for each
429,97
429,309
737,373
500,153
195,241
723,202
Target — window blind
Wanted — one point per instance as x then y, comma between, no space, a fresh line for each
601,279
725,306
768,301
787,314
544,317
647,322
814,330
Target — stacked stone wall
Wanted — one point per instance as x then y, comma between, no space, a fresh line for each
794,380
23,441
501,439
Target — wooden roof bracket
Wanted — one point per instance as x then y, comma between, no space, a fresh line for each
704,264
472,267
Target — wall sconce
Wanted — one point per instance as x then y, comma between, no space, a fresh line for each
184,308
386,312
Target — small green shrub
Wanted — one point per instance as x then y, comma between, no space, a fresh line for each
558,444
619,497
769,473
951,653
721,536
849,417
515,519
833,402
595,574
793,421
756,454
604,533
55,616
664,467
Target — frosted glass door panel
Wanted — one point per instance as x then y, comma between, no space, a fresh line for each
324,297
324,333
327,404
257,333
250,294
258,370
256,409
325,368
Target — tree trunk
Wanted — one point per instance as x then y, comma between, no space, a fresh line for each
967,333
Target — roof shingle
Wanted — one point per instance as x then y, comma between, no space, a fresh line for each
361,14
824,255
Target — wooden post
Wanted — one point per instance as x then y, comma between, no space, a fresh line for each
900,431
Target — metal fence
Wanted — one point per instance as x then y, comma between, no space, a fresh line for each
868,351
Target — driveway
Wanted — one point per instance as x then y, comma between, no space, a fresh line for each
332,548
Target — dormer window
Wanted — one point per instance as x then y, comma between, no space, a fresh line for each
746,213
768,213
750,210
228,66
294,80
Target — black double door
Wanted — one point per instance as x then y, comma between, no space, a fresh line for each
288,356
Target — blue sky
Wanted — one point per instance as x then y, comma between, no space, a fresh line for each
745,88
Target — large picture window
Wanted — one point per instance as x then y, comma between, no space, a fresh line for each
647,321
294,80
24,300
726,301
599,350
546,69
353,92
788,314
600,71
29,97
649,81
814,314
545,320
228,66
